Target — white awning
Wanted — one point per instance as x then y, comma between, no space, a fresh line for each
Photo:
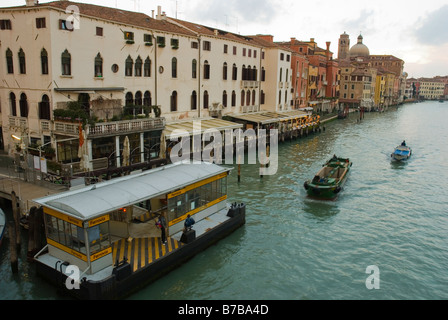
199,124
94,201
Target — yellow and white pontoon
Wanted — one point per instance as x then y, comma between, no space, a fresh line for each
104,237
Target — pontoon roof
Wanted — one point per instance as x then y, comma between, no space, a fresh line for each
94,201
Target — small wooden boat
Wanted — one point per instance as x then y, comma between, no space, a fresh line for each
401,153
2,225
330,180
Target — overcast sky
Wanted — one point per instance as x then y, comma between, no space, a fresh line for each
413,30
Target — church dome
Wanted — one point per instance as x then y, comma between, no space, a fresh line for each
359,49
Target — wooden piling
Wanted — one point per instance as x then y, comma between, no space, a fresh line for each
16,216
31,231
13,247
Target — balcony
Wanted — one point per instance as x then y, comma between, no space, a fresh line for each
110,128
245,84
125,127
18,122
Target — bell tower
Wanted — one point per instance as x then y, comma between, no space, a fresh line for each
344,47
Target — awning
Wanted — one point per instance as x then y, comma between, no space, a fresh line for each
199,125
270,117
95,201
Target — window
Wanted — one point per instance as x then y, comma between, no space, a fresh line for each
65,25
5,25
44,61
72,236
248,97
138,98
22,62
255,53
138,67
194,69
129,36
205,99
147,38
244,52
12,102
161,42
194,45
262,97
129,66
99,31
44,108
224,71
23,103
263,74
242,97
129,99
98,66
115,68
250,53
174,101
226,48
41,23
147,67
234,50
224,99
282,56
66,61
174,68
288,57
9,61
233,98
194,100
207,46
147,100
175,43
206,70
234,72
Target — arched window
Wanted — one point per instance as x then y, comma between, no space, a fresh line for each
224,99
233,98
138,98
12,101
129,66
174,101
254,74
147,100
248,97
138,67
253,97
22,61
194,100
66,62
224,71
279,97
44,108
129,99
98,65
44,61
194,68
234,72
243,73
206,70
205,99
174,67
262,97
243,94
9,61
23,106
147,67
281,74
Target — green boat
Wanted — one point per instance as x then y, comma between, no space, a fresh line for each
330,180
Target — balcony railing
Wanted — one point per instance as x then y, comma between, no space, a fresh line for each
249,84
18,122
120,127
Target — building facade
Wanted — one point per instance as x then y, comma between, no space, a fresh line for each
124,76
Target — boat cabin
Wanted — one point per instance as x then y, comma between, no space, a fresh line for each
82,225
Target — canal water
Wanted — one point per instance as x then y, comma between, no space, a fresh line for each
392,216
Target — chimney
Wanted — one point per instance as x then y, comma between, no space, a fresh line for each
328,50
159,13
293,40
30,3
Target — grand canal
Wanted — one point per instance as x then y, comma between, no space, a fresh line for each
393,216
